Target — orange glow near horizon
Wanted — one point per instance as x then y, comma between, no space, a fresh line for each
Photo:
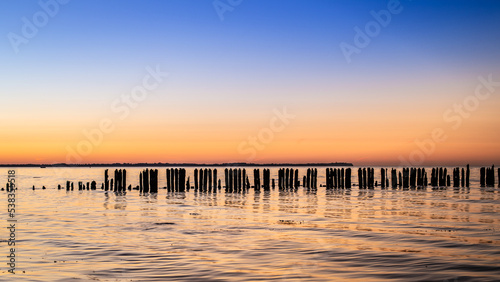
296,143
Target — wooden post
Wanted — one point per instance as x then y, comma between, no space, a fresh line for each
308,178
196,179
106,180
280,178
360,178
382,178
463,177
182,180
209,180
153,181
215,179
327,177
229,184
348,178
226,178
394,179
145,178
482,177
141,182
239,179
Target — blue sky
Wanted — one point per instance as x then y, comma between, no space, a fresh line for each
263,54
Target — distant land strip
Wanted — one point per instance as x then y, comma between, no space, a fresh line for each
178,165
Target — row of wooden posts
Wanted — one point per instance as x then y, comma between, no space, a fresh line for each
412,178
237,179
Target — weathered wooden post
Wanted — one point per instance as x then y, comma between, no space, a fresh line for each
239,180
176,180
116,178
256,179
215,178
229,184
182,181
209,181
308,178
382,178
360,178
394,180
244,180
482,177
327,177
145,178
342,179
196,179
226,177
365,178
412,177
406,183
153,181
106,180
280,178
348,178
463,178
141,182
455,183
287,177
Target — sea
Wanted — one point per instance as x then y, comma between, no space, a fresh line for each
427,234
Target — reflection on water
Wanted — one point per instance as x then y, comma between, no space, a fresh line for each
298,235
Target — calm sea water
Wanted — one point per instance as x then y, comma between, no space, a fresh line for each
341,235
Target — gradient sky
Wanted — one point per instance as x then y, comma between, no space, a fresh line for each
228,77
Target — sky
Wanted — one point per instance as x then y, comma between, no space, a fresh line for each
367,82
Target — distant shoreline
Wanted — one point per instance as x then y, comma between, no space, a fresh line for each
178,165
